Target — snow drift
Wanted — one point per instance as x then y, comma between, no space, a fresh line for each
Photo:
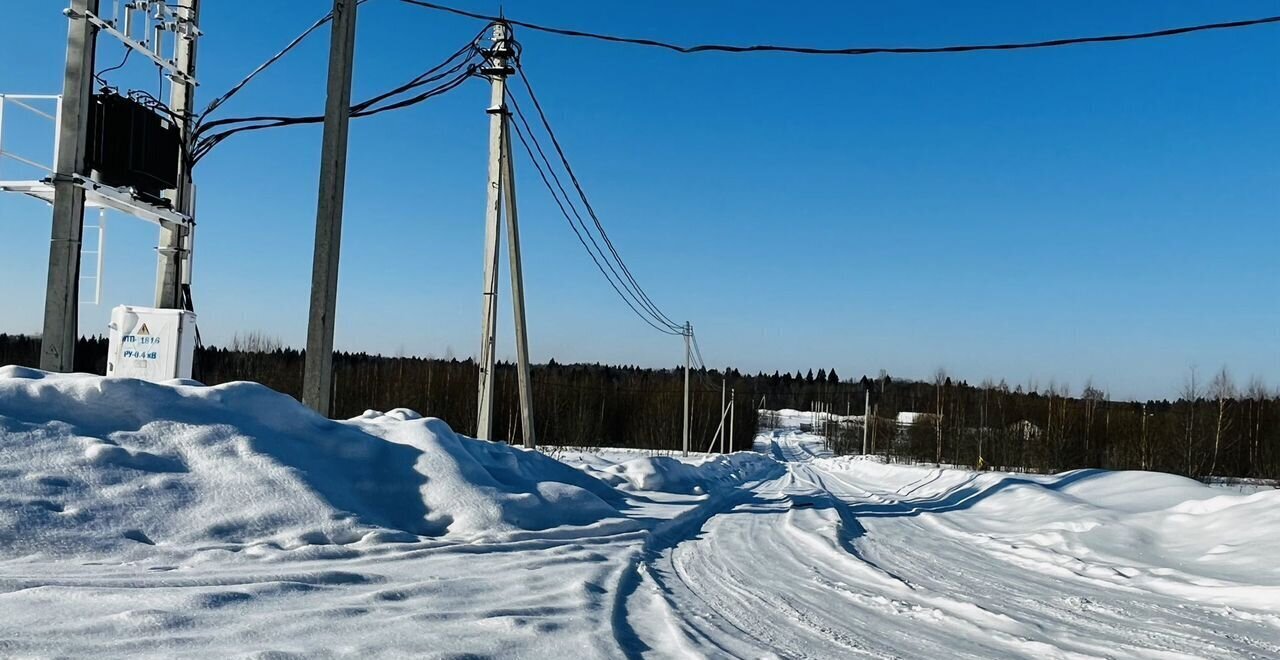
1167,533
102,465
688,477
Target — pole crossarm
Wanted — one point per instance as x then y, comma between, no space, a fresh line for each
183,28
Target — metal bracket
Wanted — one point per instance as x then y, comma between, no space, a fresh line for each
175,73
100,195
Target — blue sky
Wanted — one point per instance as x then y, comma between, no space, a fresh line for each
1108,212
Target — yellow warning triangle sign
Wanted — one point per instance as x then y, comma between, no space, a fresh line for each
143,330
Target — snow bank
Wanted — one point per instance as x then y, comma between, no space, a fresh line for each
483,487
1160,531
687,477
96,465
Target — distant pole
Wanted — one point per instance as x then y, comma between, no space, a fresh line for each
733,412
496,71
173,257
688,357
62,292
866,421
517,295
317,376
874,428
723,384
1143,444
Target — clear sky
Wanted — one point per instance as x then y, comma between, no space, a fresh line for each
1108,212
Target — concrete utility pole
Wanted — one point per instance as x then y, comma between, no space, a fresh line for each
497,72
724,381
688,357
317,377
733,412
866,421
173,256
62,293
517,293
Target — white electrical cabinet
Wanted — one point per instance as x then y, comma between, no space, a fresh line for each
151,344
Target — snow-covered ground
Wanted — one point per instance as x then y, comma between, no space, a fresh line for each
229,521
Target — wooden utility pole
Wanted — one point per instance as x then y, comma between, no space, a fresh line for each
173,255
317,378
62,292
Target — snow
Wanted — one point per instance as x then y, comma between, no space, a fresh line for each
908,418
853,557
1167,533
103,465
670,475
177,519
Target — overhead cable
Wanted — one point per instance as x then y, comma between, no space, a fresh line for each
647,318
850,51
616,280
645,300
235,89
421,79
453,76
697,351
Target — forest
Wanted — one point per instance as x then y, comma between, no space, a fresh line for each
1215,428
583,405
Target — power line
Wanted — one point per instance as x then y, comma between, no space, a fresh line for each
639,291
805,50
418,81
697,351
572,225
461,70
211,141
235,89
577,221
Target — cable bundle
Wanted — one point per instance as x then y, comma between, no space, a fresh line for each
439,79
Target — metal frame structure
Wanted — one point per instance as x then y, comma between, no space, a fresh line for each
98,252
141,26
122,26
97,195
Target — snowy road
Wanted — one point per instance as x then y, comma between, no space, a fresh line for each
829,561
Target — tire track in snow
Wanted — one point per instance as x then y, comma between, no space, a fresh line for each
723,606
663,537
793,570
1081,609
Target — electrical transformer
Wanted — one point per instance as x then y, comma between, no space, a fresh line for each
131,145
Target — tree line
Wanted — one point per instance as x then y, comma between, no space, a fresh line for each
1214,428
582,405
